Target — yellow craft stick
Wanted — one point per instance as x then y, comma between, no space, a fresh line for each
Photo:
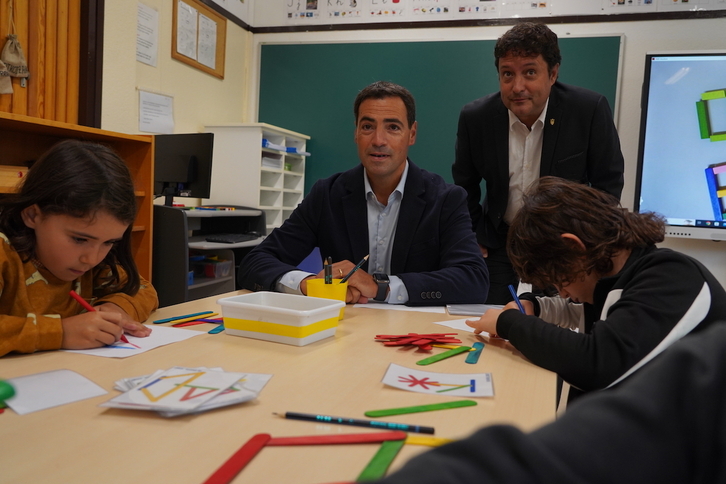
193,318
430,441
450,347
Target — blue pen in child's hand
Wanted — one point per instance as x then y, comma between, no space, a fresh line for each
516,299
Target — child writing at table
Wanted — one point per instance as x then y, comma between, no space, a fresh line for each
621,301
69,228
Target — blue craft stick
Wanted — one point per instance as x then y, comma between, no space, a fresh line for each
167,320
216,330
516,299
473,356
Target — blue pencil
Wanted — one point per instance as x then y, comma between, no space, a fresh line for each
516,298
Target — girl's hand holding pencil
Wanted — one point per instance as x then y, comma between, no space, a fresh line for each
98,326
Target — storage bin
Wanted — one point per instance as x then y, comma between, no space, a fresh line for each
282,318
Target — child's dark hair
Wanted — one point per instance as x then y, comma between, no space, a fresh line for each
554,206
76,178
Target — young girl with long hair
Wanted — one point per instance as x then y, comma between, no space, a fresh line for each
69,228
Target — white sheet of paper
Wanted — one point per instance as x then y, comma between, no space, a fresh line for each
444,384
160,336
186,30
401,307
50,389
470,309
460,324
147,34
156,113
207,42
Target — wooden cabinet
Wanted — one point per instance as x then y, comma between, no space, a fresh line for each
258,165
181,233
24,138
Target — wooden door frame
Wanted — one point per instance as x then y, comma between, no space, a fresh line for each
91,63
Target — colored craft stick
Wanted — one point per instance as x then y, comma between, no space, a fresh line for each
473,356
357,422
420,408
375,437
239,460
450,347
443,356
426,440
185,316
380,462
216,330
188,323
189,319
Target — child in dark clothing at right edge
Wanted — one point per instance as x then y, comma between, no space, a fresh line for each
622,300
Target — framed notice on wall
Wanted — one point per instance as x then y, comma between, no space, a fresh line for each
198,36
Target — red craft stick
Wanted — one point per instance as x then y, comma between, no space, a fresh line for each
429,335
374,437
239,460
423,341
188,323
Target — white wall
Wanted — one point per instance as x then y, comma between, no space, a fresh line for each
639,38
199,98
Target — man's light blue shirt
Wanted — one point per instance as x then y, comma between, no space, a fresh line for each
382,221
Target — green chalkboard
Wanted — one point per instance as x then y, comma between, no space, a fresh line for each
310,88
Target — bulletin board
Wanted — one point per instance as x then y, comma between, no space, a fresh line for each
199,36
310,88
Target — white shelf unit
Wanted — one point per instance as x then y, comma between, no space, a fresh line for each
248,174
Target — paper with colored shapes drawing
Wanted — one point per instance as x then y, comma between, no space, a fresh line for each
444,384
176,389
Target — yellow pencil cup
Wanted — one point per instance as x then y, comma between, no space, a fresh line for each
337,290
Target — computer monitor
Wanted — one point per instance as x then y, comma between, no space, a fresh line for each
682,148
183,165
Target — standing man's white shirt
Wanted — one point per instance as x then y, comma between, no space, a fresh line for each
525,157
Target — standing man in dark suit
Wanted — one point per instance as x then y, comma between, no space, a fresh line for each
414,226
534,126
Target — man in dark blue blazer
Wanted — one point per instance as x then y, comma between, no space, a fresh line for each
535,126
414,227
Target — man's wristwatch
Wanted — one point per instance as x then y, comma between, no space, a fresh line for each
382,281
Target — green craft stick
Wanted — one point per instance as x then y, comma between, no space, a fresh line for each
380,462
443,356
473,356
420,408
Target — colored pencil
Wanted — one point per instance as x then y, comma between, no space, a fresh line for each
357,422
516,298
352,271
